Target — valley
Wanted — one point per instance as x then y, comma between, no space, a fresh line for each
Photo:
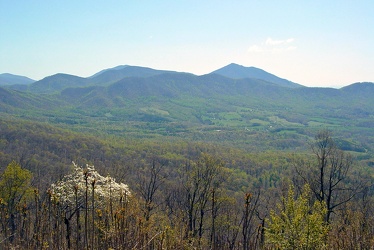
142,102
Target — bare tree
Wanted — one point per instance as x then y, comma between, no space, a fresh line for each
198,180
250,207
329,175
149,182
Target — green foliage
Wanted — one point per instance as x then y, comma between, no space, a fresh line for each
199,204
297,225
15,186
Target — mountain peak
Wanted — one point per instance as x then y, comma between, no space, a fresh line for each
237,71
105,70
235,65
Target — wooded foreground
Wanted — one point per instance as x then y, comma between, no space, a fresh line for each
322,202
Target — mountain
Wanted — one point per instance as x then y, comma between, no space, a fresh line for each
191,106
233,70
105,70
11,100
360,95
57,83
9,79
236,71
360,88
172,86
115,74
139,84
106,77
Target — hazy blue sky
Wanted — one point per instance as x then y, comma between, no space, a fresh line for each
314,43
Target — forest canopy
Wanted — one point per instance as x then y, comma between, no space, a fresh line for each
188,196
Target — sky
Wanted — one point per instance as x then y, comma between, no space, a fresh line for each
313,43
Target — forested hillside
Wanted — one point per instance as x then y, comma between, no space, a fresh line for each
136,158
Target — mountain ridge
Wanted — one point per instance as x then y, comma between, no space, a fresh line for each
105,70
107,77
183,103
118,73
11,79
237,71
58,82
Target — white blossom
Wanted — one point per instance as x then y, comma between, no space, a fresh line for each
73,186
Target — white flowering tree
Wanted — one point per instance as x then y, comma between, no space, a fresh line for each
74,186
88,191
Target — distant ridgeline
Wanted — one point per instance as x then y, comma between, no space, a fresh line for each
235,100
